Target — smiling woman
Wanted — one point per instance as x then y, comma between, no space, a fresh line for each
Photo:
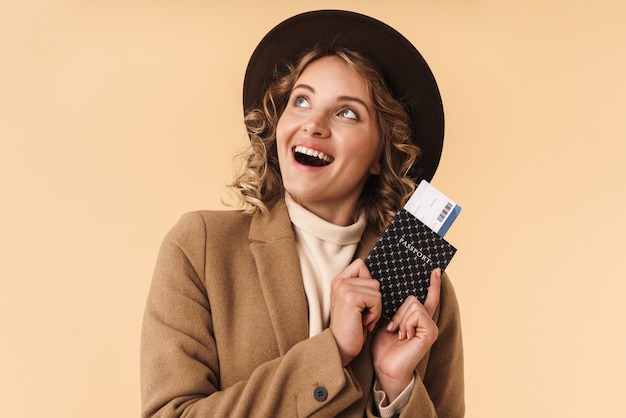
270,310
365,103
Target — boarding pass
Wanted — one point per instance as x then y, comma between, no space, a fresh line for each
433,208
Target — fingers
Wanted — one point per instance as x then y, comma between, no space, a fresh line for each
415,321
356,269
406,319
356,288
356,307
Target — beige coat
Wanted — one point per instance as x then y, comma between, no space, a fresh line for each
225,331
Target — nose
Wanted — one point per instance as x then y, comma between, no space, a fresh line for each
316,126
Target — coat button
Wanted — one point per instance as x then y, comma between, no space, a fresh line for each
320,393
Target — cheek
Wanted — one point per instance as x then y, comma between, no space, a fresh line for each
281,141
377,155
281,130
369,145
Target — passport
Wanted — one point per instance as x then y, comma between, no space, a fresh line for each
412,246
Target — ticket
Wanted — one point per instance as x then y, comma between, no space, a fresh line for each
433,208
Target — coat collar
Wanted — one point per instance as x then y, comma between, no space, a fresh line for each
273,245
367,242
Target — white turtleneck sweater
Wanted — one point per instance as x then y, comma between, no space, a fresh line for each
325,250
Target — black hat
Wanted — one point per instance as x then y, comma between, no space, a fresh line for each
408,76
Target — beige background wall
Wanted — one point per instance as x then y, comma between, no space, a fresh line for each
118,116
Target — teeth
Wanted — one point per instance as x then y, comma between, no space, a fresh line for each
313,153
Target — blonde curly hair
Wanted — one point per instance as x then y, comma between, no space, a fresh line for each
258,185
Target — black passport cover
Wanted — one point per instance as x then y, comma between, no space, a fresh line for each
404,257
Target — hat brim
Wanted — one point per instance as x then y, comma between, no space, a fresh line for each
406,72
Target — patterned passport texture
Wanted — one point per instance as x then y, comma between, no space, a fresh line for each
403,259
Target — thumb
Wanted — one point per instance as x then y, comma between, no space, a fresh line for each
434,291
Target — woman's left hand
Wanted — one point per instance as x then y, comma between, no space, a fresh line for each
399,347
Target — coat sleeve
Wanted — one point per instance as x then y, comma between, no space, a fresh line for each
439,384
180,363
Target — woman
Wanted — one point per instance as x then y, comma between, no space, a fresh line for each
271,311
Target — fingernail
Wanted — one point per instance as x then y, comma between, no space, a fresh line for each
399,335
390,326
438,272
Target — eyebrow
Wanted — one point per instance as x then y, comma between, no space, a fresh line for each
340,98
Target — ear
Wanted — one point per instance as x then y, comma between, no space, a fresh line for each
376,167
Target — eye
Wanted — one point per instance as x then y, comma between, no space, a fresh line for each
301,101
348,113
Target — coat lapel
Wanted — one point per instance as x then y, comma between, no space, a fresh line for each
273,247
367,243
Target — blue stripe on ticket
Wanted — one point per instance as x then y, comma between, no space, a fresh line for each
454,212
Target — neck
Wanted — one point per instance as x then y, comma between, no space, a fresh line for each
342,215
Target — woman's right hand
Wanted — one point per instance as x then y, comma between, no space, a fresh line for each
355,308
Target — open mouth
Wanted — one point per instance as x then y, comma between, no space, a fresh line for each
310,157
